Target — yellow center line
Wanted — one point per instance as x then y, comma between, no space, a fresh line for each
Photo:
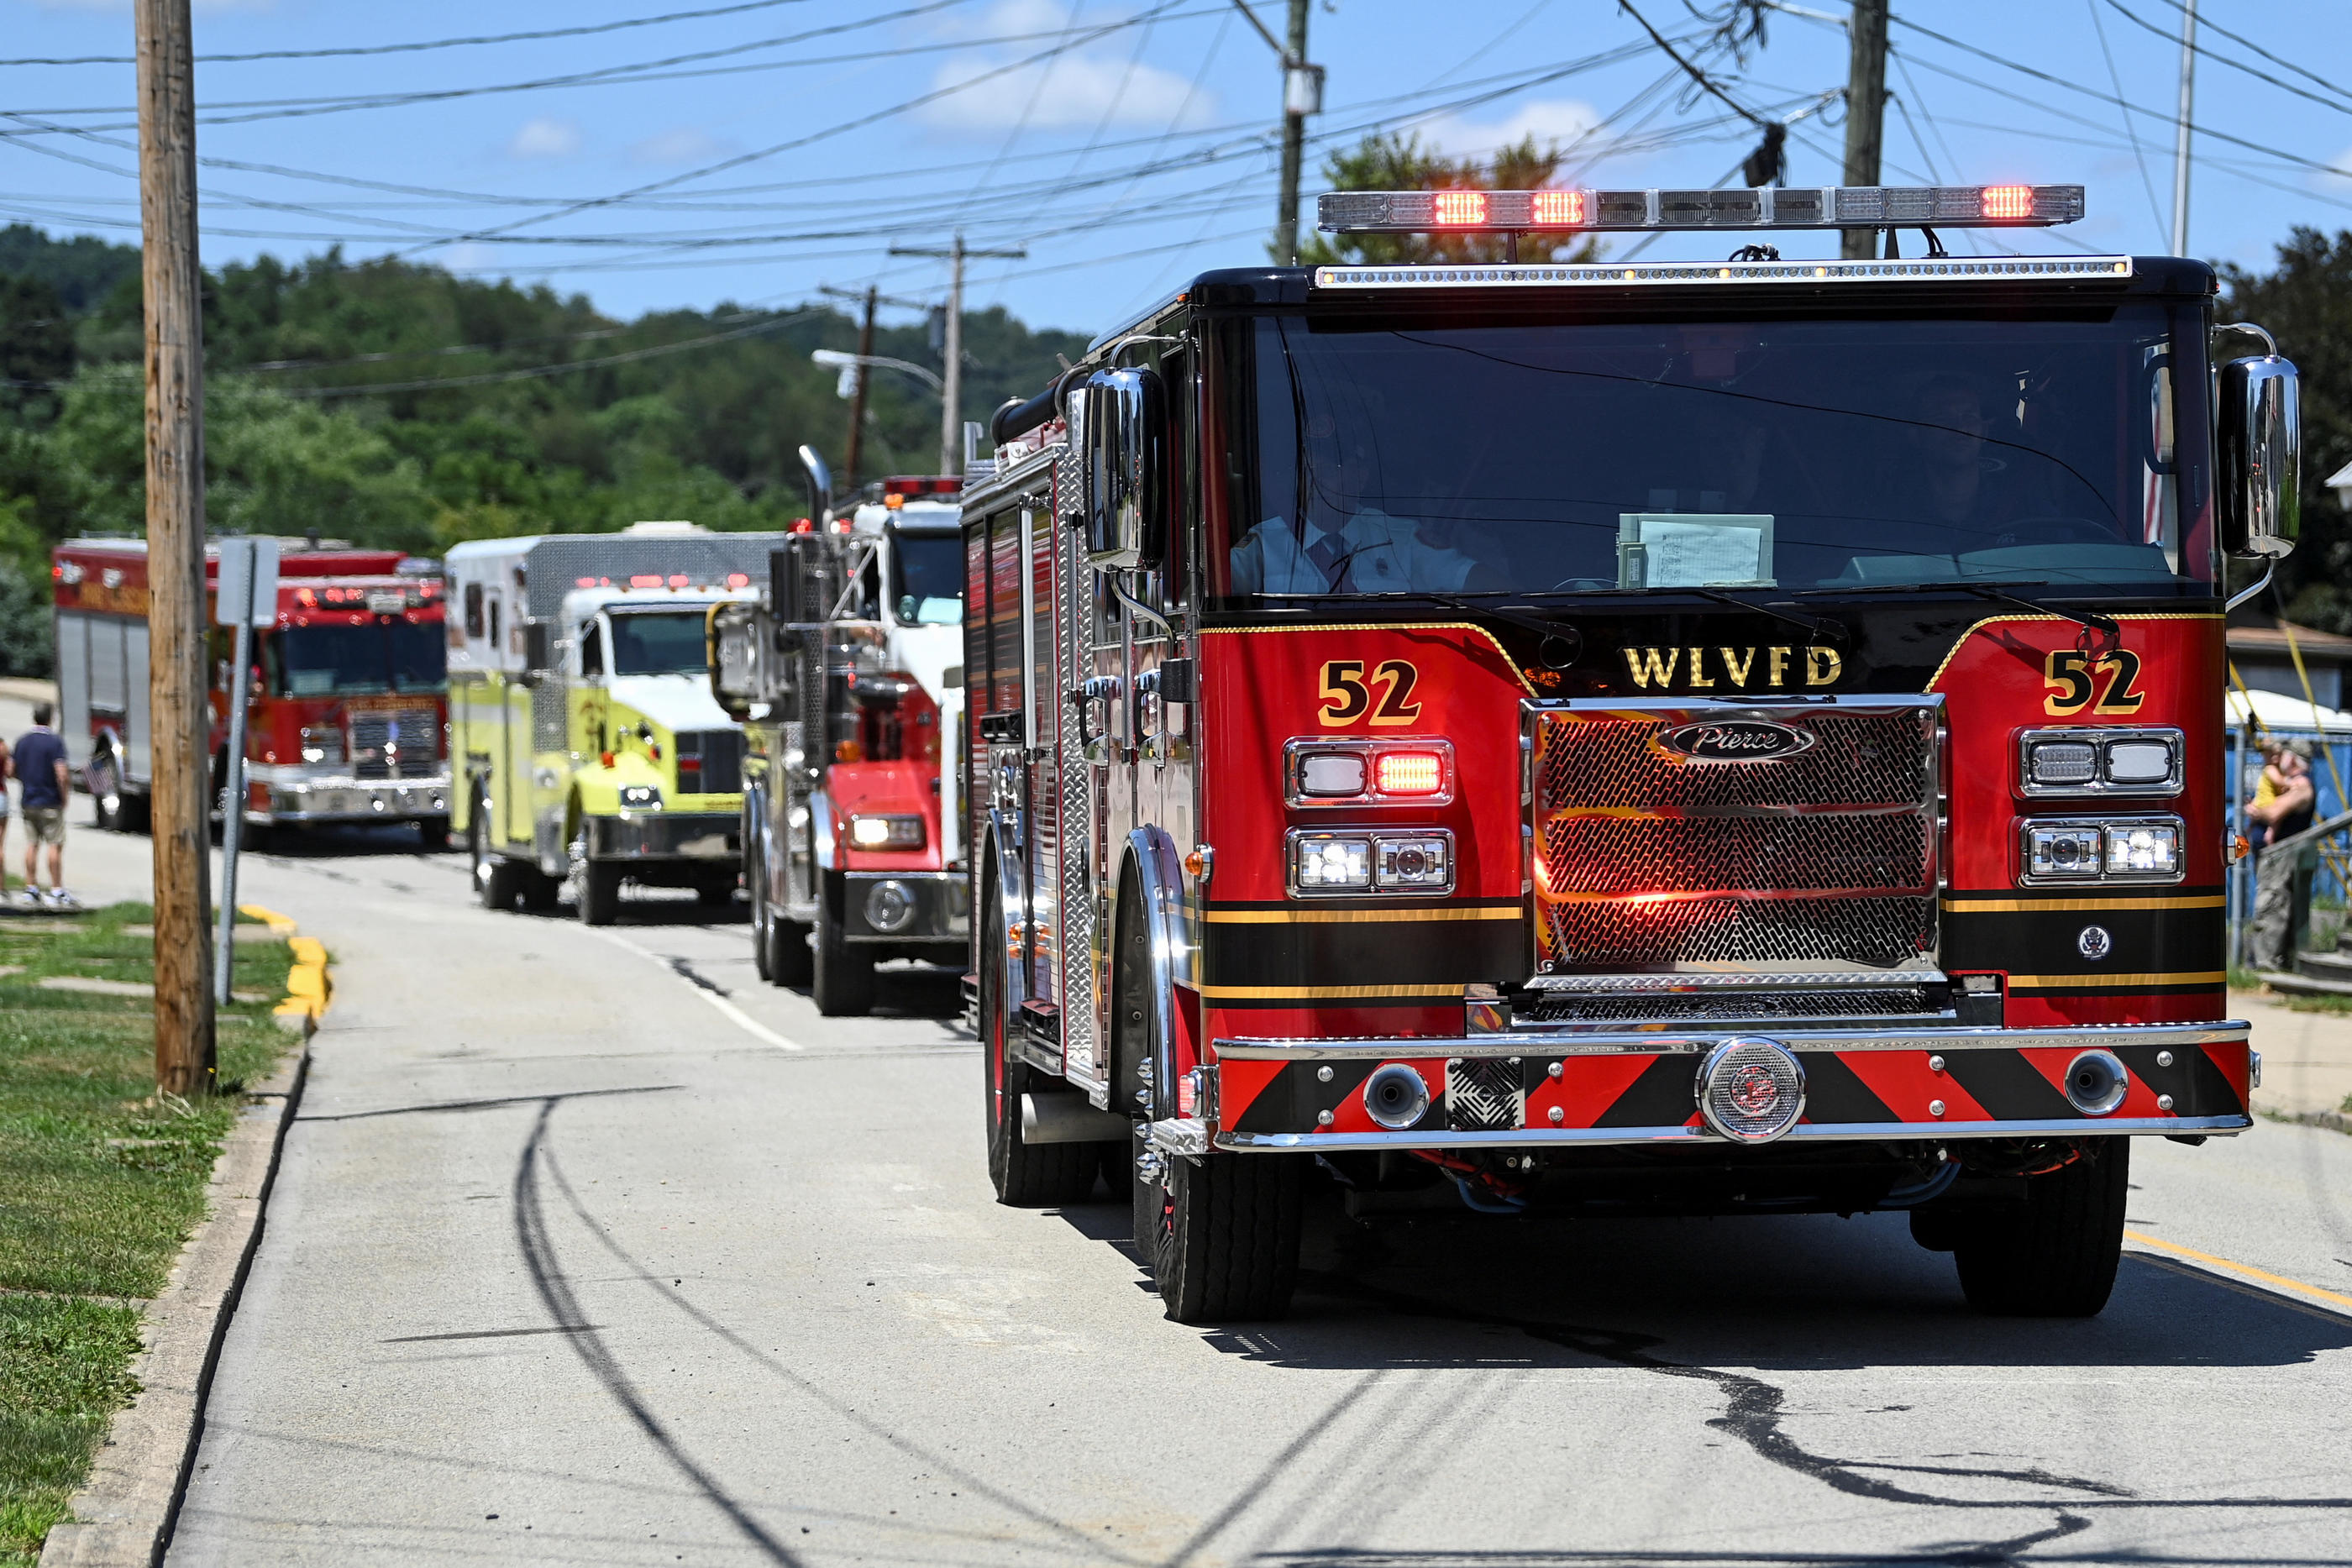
2248,1270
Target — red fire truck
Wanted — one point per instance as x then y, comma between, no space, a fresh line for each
348,714
1669,736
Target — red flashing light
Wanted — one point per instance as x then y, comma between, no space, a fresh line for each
804,526
1462,209
584,582
2009,200
921,485
1558,207
1410,773
737,579
57,571
306,598
677,580
646,579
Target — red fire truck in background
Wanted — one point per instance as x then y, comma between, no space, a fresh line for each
1603,738
348,714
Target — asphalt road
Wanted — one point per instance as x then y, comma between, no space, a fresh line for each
589,1248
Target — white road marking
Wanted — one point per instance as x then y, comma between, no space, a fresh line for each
740,1019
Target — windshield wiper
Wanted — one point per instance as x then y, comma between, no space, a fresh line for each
1451,602
1812,625
2105,625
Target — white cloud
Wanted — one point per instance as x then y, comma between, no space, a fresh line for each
545,137
1071,90
679,144
1555,120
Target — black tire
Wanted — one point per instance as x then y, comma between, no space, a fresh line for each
539,891
2054,1255
494,875
843,982
599,893
106,792
433,835
1224,1243
1025,1176
755,885
138,814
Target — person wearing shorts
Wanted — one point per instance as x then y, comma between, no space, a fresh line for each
40,759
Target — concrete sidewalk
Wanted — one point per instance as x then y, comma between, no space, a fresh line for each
2306,1057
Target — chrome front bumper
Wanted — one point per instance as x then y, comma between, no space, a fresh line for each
1866,1085
667,835
939,906
348,800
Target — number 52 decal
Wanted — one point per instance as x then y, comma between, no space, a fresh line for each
2075,678
1348,695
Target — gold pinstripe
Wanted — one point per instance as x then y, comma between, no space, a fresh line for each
1961,641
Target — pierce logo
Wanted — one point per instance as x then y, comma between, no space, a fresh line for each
1734,741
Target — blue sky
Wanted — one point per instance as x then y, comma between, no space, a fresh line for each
1122,143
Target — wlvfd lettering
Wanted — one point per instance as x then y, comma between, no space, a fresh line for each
1707,668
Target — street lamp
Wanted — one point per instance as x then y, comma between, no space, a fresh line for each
848,364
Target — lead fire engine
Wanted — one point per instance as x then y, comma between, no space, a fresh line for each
347,716
849,676
593,754
1660,737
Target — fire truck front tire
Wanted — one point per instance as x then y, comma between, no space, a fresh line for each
599,893
842,984
494,874
1220,1232
2054,1255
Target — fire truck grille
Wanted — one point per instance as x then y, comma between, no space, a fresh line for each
1648,859
1732,1006
710,761
400,743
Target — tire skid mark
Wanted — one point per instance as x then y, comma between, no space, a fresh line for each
1088,1548
555,1293
1753,1414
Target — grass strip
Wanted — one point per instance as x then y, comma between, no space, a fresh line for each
100,1182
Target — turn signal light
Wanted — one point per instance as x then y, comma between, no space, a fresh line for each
1409,772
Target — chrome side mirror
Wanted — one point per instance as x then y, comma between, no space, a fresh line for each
2258,479
734,659
1117,424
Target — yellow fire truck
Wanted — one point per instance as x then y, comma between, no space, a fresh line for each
589,750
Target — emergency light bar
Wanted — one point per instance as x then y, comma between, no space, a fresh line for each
1603,274
1765,207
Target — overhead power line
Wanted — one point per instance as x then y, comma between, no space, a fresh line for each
428,43
2335,99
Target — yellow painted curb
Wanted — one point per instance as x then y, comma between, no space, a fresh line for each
308,990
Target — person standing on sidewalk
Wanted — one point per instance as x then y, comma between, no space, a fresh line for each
41,773
2280,808
7,771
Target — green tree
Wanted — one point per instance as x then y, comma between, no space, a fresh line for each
1387,162
2306,303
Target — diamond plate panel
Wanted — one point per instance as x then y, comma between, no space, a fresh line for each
1485,1094
1073,636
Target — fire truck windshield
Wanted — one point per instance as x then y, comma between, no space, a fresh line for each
1812,453
366,660
659,643
927,577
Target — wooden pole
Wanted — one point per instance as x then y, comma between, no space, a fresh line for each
179,720
1866,112
858,395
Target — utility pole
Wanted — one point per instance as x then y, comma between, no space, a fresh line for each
179,715
1866,112
858,395
2180,138
870,297
1302,95
952,401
